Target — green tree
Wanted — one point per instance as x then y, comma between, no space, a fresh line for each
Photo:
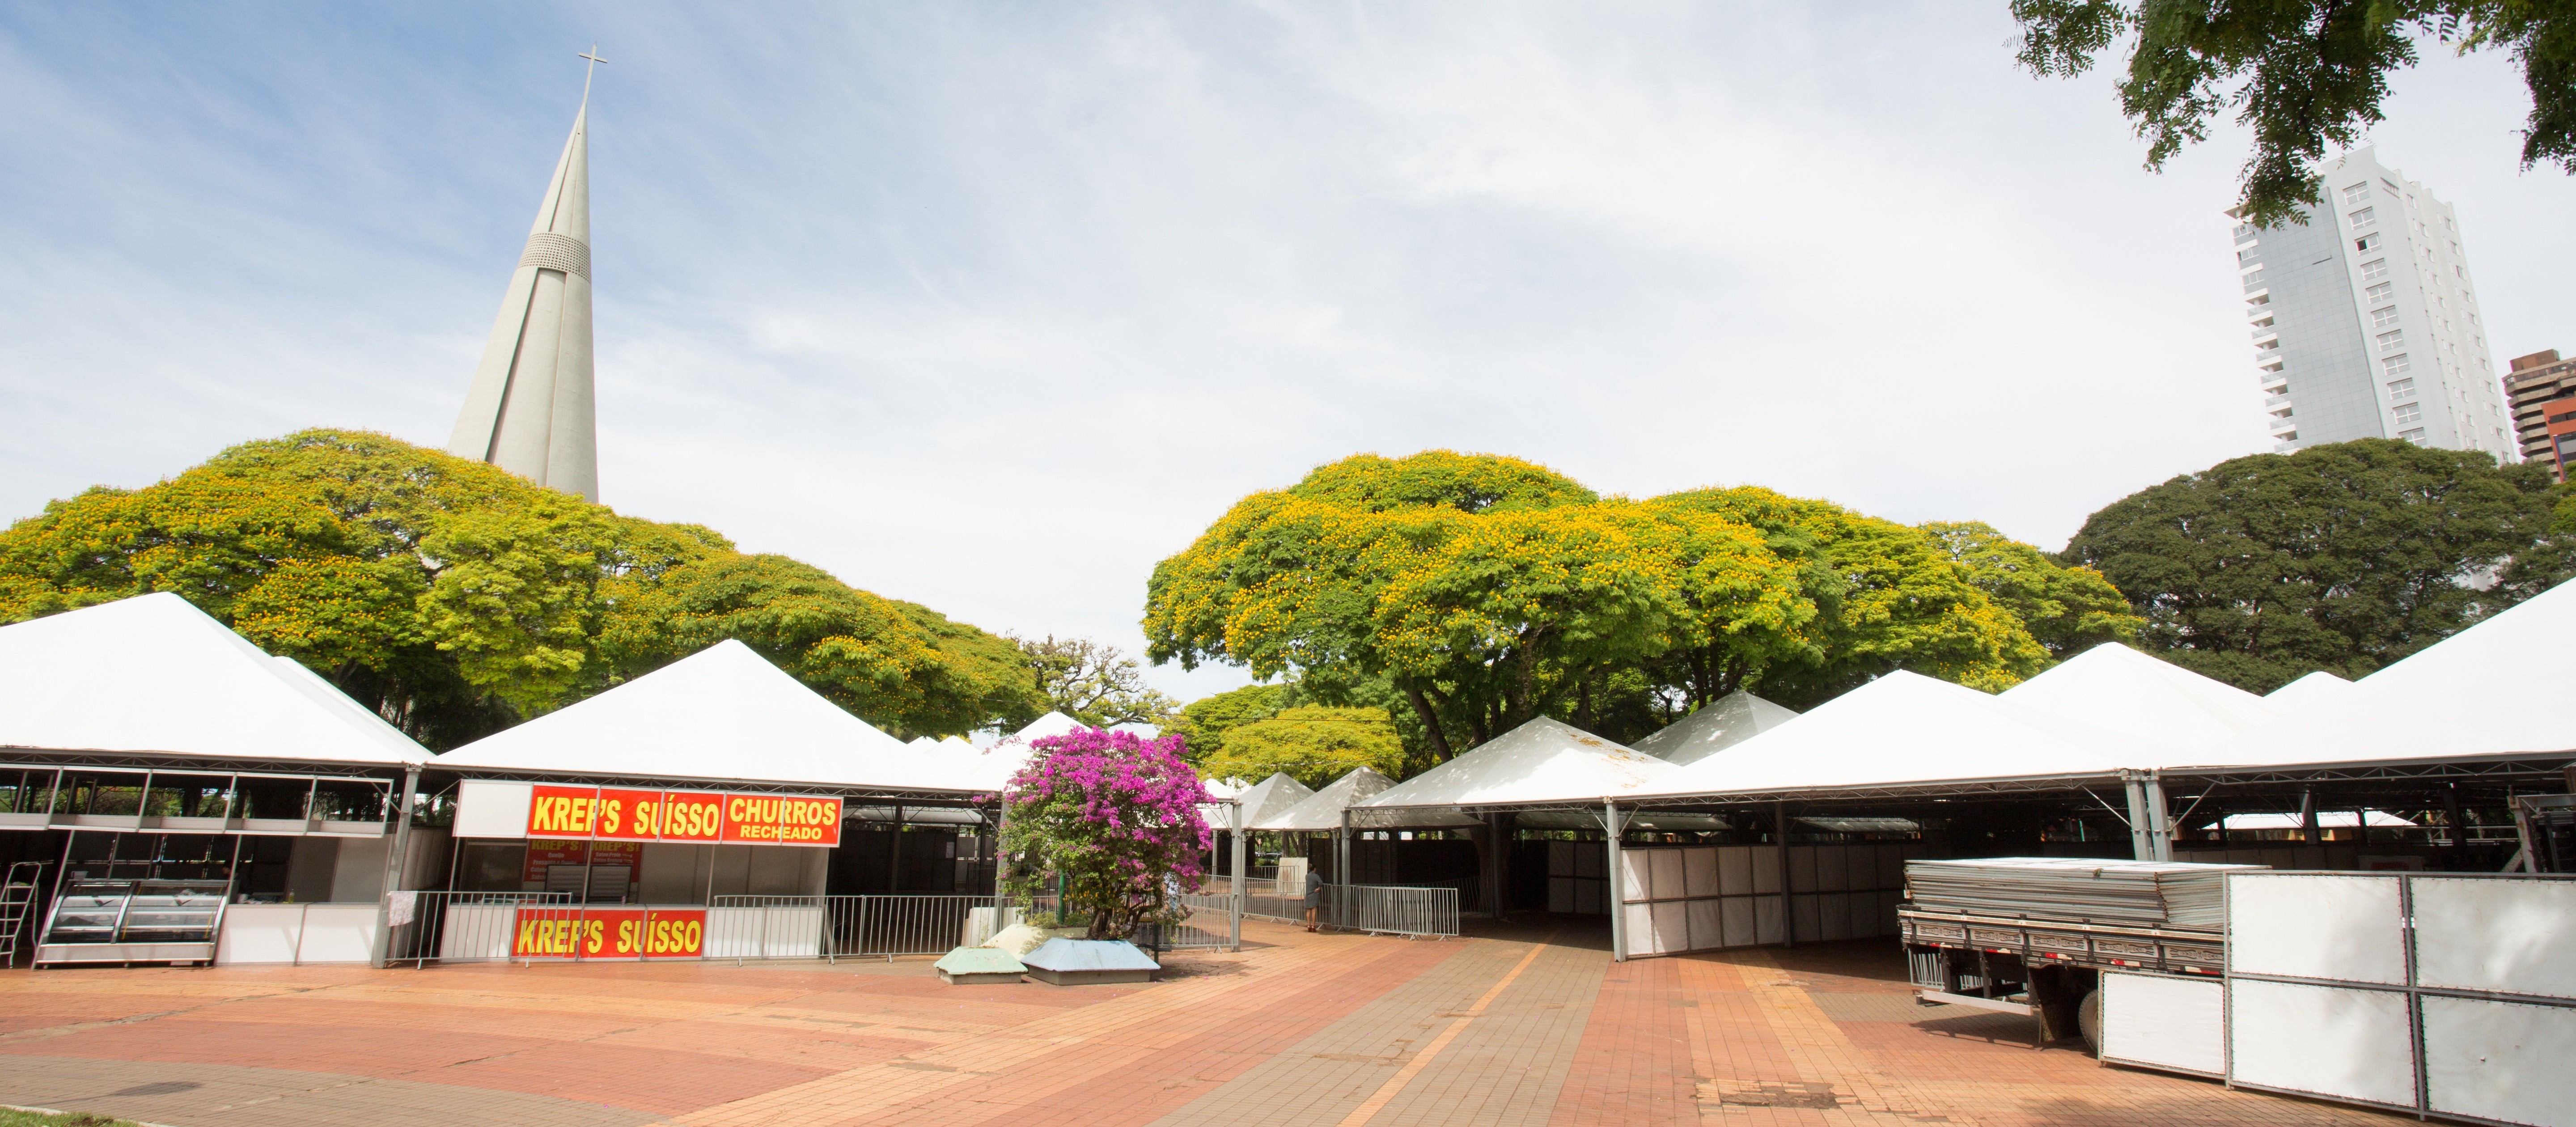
1484,591
2301,74
1313,745
1203,723
2068,609
2342,557
1093,682
455,598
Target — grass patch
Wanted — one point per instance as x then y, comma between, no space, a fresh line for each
13,1118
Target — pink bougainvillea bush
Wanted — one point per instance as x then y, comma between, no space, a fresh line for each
1116,816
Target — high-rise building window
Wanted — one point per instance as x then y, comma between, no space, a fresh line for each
2364,217
2382,318
2393,365
2357,192
2380,292
2249,254
2406,413
2252,277
2366,243
2393,338
2415,436
2400,389
2374,270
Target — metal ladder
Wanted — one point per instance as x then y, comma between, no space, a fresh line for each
17,903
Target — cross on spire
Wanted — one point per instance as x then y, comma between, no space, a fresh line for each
586,72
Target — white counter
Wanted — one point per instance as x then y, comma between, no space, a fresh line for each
296,933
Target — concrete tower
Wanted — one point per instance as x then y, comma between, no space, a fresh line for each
530,409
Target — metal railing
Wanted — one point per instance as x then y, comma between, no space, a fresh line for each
1264,899
461,927
1385,909
1207,927
831,927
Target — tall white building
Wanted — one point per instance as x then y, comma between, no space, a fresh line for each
2365,320
530,410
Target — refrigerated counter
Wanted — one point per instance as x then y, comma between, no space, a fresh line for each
139,920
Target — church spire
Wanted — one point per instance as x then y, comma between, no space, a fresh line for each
530,409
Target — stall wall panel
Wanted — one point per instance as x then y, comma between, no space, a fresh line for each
1666,870
2326,1040
2301,925
1891,866
1591,860
1560,858
1766,870
1735,921
1833,916
1699,872
338,933
1806,918
358,870
310,863
1766,920
2165,1022
1707,925
492,809
1672,926
1864,915
1833,868
1592,897
1734,870
1639,926
670,872
1887,902
2500,1060
1636,875
1560,895
2510,936
729,871
1802,868
259,933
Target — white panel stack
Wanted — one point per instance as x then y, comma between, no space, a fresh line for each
1729,896
2323,1040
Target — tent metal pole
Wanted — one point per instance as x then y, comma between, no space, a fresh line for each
2142,845
394,857
1610,827
1234,845
1788,912
1342,872
2159,817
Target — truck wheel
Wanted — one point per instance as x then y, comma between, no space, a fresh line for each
2088,1021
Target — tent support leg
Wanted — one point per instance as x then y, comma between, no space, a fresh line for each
1611,826
1234,846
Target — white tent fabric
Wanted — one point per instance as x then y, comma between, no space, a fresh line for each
987,771
2114,687
1718,725
2483,692
153,674
1906,728
1272,797
1541,761
1322,810
721,714
2307,692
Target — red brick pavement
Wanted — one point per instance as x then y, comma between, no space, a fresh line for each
1298,1029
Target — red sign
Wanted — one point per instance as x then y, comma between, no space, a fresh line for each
774,819
610,933
651,815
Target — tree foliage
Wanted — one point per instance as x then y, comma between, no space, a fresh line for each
2068,609
1313,745
456,598
1203,723
2342,557
1093,682
1115,816
1483,591
2301,74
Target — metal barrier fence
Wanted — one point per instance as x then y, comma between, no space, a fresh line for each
1390,909
460,927
1263,898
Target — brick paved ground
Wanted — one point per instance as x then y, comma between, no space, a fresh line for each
1530,1025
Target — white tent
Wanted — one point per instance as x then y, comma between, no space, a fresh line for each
1541,761
2495,689
2114,687
1322,810
2307,692
155,675
1905,728
2326,820
1718,725
1270,798
988,770
722,714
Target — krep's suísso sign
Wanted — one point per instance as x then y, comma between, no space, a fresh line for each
610,933
610,814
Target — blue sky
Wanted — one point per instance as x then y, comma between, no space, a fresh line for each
990,307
